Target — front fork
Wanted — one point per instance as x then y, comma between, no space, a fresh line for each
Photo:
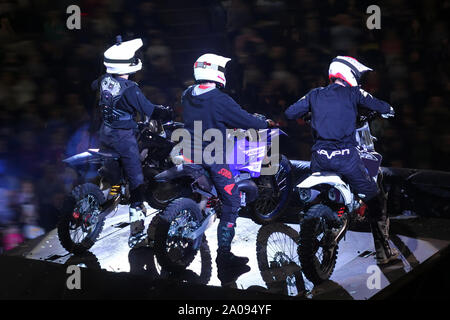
342,231
209,218
332,236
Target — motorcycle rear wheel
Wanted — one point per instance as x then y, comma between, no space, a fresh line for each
317,254
278,262
74,234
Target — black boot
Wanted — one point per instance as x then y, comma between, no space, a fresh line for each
379,225
384,253
228,260
229,266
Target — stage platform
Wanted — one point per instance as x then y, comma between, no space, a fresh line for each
272,250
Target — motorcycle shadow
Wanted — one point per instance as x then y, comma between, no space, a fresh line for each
330,290
143,262
87,260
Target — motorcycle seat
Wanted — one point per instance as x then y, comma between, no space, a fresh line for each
327,174
186,169
330,174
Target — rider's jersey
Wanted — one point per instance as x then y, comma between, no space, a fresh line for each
334,110
120,100
217,110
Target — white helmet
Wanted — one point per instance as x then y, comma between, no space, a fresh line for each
348,69
211,67
120,58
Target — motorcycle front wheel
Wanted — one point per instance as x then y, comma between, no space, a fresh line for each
76,230
278,262
173,251
274,193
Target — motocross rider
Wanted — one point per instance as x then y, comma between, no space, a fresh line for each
206,102
334,111
120,100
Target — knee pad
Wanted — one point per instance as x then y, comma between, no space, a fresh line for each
229,213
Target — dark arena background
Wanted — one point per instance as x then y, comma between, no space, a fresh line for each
279,50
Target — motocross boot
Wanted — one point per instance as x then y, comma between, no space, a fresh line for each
384,253
137,236
379,225
229,266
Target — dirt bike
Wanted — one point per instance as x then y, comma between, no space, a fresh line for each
330,207
178,231
88,205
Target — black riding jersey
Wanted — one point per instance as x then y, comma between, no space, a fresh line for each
334,110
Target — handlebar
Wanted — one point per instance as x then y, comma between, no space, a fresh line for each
260,116
307,117
368,117
270,122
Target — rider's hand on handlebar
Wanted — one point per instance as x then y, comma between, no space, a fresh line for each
307,117
260,116
391,114
164,113
271,123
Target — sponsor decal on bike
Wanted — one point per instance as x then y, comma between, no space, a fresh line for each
237,147
224,172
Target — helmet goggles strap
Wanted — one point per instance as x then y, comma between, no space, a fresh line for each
132,61
207,65
355,71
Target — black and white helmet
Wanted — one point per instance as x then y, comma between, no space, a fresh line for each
348,69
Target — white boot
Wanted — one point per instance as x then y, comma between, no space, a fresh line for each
137,229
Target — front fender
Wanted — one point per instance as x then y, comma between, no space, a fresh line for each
81,158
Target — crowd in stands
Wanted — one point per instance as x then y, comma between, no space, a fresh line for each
280,50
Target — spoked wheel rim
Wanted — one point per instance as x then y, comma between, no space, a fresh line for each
282,255
80,224
178,246
281,250
283,264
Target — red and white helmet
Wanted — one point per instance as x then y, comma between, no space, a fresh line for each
121,57
348,69
211,67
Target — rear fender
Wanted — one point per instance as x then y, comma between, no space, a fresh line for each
330,179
